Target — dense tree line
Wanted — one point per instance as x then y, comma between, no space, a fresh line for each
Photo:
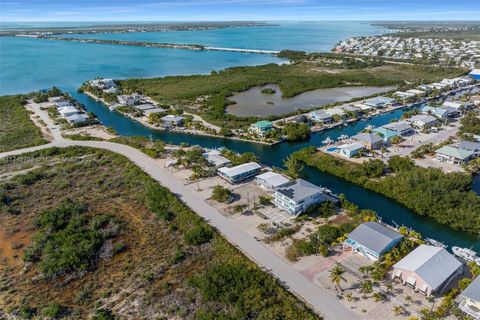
445,197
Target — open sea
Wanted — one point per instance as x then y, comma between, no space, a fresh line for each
33,64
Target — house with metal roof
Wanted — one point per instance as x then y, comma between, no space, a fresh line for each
422,121
472,146
77,118
428,269
401,127
172,120
350,150
297,196
379,102
453,155
386,134
439,112
369,140
215,158
371,239
67,111
144,106
320,116
271,180
240,172
261,127
469,299
154,110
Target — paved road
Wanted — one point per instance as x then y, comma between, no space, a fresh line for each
325,304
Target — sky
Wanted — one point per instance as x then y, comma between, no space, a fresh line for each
229,10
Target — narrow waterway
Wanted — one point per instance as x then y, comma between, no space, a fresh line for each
389,210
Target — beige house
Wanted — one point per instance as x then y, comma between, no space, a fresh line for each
428,269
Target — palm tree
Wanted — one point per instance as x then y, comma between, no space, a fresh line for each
366,287
389,287
294,167
398,310
336,276
365,270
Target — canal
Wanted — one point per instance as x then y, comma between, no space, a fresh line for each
389,210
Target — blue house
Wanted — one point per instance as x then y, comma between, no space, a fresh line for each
475,74
371,239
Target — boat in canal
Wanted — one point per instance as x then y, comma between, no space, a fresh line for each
465,254
435,243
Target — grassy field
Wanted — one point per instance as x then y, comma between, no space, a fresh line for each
16,129
122,244
293,79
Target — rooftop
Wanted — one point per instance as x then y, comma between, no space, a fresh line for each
298,190
374,236
263,124
273,179
243,168
455,152
433,264
473,290
368,137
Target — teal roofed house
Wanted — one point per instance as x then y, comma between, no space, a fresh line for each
454,155
261,127
386,134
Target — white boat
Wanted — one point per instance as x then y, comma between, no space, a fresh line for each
465,254
369,127
435,243
342,137
327,141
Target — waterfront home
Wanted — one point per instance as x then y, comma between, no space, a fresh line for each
103,84
271,180
371,239
363,107
350,150
261,127
350,108
240,172
67,111
215,158
369,140
404,95
416,92
422,121
469,299
386,134
143,107
172,120
453,155
379,102
475,74
428,269
458,106
154,110
320,116
439,112
297,196
129,100
77,118
59,101
471,146
336,112
402,128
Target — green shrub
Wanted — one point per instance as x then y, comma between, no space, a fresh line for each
199,234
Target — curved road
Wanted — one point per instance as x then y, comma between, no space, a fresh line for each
325,304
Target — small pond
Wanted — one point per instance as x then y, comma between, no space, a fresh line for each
253,102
